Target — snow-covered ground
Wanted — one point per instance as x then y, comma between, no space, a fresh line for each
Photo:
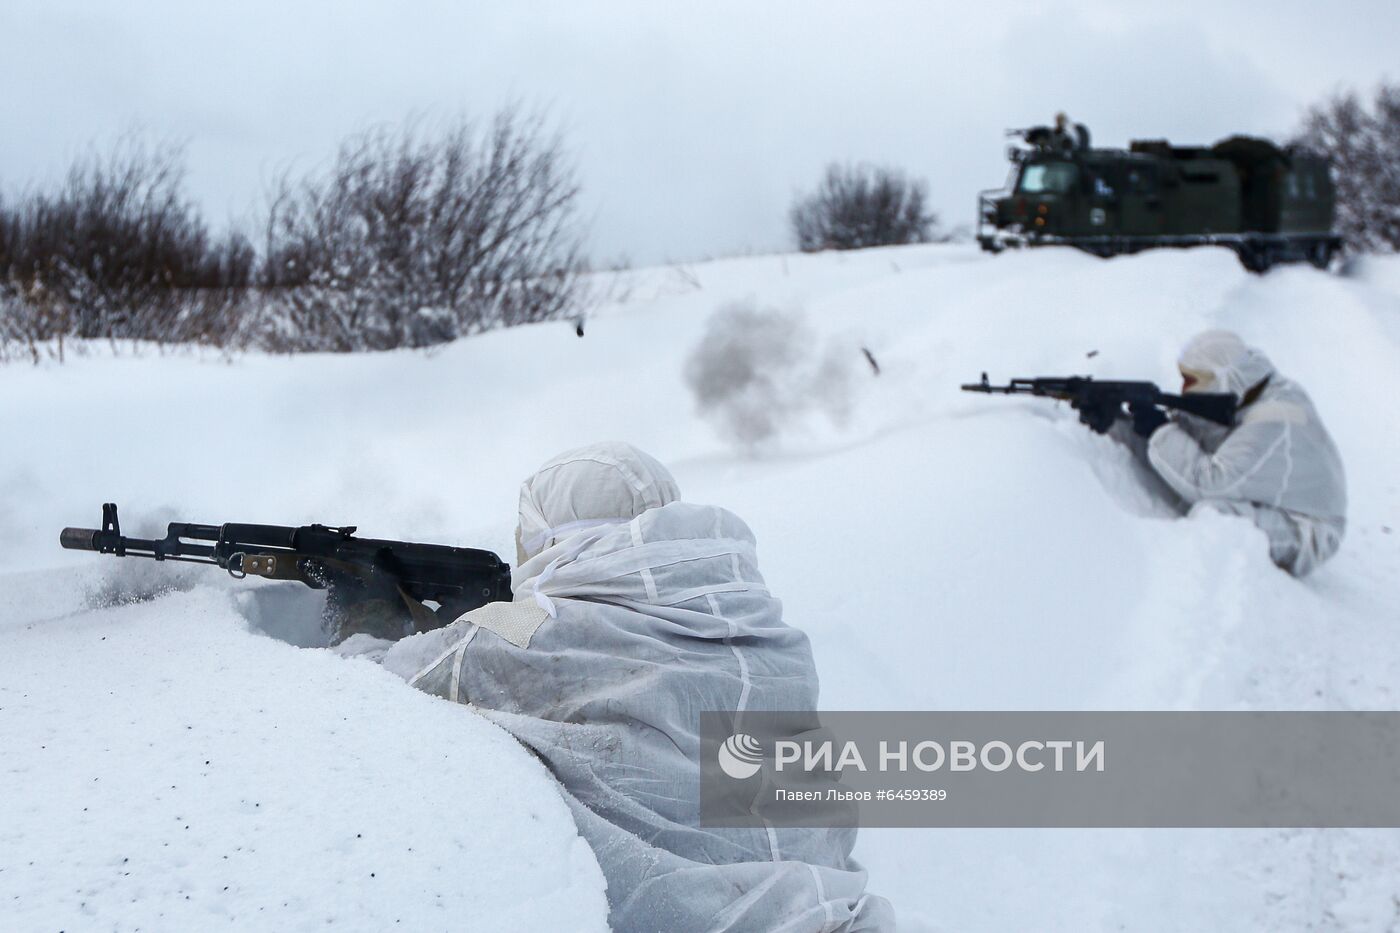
168,766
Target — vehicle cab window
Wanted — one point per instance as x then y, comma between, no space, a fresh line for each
1049,177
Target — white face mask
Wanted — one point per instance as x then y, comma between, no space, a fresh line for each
1194,380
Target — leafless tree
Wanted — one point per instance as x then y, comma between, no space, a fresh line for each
412,239
409,239
1364,146
118,252
856,206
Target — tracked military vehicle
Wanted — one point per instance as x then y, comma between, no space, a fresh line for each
1266,203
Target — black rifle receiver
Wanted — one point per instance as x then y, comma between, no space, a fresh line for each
457,579
1100,403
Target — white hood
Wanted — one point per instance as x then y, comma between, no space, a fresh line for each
580,489
1234,366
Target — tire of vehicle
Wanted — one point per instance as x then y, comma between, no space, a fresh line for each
1320,254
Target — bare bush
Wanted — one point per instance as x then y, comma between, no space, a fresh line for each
410,239
407,240
1364,146
757,371
856,206
118,252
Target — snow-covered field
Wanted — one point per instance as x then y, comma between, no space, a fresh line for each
166,765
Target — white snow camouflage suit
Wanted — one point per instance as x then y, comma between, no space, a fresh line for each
633,612
1277,465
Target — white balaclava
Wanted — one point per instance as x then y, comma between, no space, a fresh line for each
1221,362
582,489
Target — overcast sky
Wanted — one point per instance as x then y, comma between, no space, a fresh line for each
692,124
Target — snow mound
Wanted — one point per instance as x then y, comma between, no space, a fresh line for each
943,550
167,769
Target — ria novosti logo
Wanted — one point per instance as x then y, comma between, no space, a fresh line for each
741,756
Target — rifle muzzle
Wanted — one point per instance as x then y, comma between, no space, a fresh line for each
79,539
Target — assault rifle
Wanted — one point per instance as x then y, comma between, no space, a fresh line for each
1100,403
358,571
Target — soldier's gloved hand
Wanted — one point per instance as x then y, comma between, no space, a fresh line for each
352,610
1146,419
1095,418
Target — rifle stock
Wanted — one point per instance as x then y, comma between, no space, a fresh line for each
1219,408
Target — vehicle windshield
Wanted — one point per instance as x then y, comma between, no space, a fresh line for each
1056,177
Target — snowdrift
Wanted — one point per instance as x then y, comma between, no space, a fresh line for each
943,550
